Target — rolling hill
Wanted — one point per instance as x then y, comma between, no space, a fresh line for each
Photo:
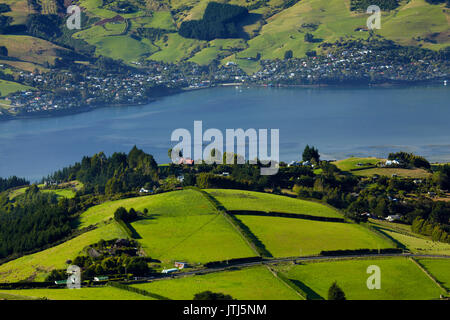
185,225
271,28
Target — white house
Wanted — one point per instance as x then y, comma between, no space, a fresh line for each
392,163
169,270
393,217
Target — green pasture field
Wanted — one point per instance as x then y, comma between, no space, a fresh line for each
352,163
401,279
158,20
420,245
122,47
192,238
65,193
8,296
256,283
405,173
36,266
176,48
421,20
440,269
7,87
101,293
170,204
258,201
288,237
416,243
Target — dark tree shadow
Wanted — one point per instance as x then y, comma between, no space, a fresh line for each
310,293
251,18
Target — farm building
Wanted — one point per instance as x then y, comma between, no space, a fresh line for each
101,278
169,270
181,265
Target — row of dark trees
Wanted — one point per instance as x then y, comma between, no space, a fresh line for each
111,175
12,182
35,220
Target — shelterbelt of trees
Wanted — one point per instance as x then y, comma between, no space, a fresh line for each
34,220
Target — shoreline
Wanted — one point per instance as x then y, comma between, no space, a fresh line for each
74,111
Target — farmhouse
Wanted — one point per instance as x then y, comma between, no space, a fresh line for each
392,163
181,265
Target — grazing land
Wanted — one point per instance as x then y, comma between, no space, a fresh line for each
405,173
356,163
287,237
36,266
191,238
256,283
258,201
440,269
400,279
170,204
101,293
7,87
414,242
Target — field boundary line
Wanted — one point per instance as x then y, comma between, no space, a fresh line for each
379,233
288,283
424,270
248,236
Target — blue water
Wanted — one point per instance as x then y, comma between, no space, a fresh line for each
339,121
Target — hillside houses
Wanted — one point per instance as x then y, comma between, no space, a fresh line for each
62,89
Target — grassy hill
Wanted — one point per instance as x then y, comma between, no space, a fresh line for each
184,225
439,269
272,28
286,237
413,242
400,279
257,201
102,293
250,283
7,87
36,266
367,167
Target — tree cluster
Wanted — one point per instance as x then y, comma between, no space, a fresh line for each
410,160
12,182
111,175
33,221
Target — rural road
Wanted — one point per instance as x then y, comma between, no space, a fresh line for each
278,260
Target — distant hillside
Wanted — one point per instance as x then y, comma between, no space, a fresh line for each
132,30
